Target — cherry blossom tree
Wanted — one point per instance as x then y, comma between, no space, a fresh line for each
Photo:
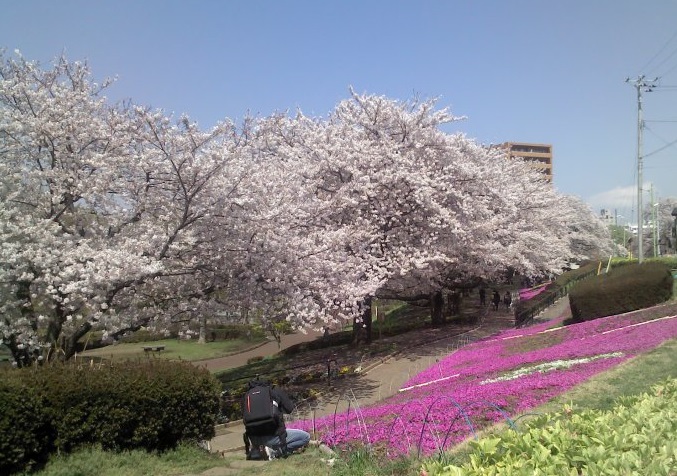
109,214
118,217
388,205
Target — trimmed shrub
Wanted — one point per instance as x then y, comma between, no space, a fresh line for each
150,405
235,331
625,288
24,426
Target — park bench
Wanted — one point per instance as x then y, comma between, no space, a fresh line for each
153,348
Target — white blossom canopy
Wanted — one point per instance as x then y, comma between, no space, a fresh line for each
117,217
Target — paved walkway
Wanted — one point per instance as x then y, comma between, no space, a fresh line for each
384,378
264,350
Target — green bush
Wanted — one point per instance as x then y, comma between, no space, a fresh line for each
625,288
24,426
235,331
144,335
150,405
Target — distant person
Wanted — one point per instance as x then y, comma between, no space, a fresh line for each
507,299
483,297
496,300
266,436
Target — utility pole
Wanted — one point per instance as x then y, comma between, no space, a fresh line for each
641,84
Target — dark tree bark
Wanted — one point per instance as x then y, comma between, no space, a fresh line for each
362,326
437,308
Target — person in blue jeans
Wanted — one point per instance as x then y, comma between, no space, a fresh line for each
296,441
274,443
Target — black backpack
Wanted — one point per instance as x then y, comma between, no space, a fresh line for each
262,418
260,414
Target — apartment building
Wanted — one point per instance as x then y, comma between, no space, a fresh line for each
538,154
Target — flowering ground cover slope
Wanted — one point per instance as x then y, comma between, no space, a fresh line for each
488,381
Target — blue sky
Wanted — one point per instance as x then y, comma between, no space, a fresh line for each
540,71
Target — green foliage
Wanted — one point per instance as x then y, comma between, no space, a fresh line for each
669,260
151,406
24,426
625,288
370,462
93,461
235,331
636,437
144,335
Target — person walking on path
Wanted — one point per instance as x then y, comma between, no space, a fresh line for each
483,296
507,300
496,300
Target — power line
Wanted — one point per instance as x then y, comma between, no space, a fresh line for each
670,70
669,144
665,60
643,68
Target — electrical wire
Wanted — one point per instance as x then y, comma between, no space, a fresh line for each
659,52
667,144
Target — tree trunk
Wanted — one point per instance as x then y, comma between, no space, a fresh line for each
202,339
362,326
70,343
22,354
437,309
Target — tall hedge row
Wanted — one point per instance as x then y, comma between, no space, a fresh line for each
152,405
625,288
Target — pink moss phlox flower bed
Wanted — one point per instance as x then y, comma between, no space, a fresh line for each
529,293
485,382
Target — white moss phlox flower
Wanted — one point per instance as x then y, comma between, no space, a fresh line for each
549,366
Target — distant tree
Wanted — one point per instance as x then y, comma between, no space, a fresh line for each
662,227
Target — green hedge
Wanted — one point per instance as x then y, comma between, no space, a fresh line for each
235,331
625,288
25,427
151,405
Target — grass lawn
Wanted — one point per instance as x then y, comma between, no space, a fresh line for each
174,349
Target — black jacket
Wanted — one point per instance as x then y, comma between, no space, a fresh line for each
283,400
